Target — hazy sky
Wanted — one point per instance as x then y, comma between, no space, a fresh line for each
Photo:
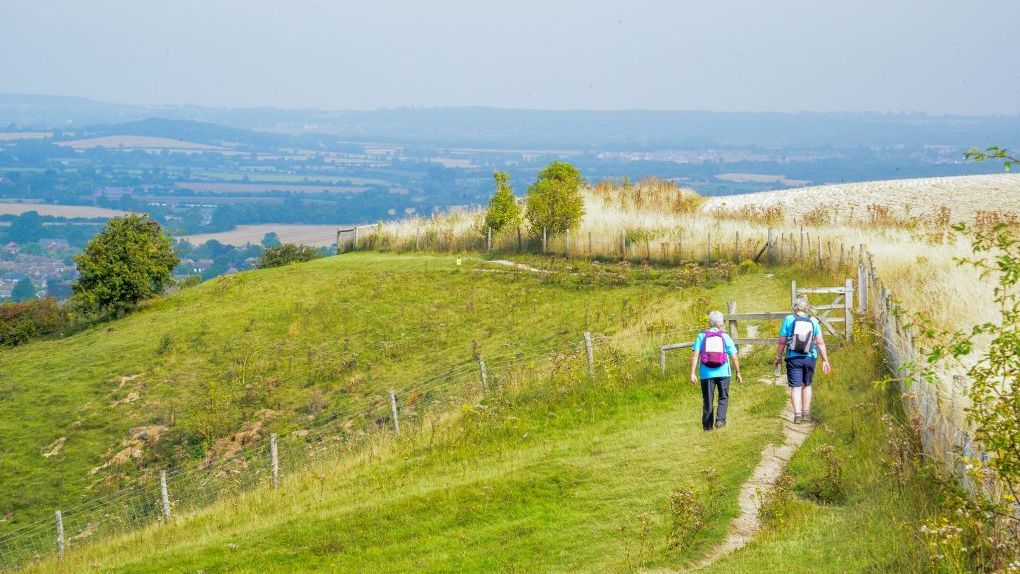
942,56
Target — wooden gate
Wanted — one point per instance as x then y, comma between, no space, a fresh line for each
842,300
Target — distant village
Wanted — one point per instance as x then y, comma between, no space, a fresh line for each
46,263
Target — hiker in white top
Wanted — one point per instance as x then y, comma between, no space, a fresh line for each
800,343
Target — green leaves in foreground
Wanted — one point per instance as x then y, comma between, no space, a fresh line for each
994,152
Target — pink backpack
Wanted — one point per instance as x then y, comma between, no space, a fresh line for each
713,349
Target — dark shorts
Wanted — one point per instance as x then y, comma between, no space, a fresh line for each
800,371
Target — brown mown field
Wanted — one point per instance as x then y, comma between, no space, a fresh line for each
58,210
314,235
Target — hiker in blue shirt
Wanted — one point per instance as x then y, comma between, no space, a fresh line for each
801,342
710,365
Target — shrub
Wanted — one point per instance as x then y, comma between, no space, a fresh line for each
686,517
22,322
503,210
286,254
554,200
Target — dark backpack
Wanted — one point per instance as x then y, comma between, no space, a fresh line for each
802,335
713,349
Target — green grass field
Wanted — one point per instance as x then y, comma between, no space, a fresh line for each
554,473
286,346
558,475
551,472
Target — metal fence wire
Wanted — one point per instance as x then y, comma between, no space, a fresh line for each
200,484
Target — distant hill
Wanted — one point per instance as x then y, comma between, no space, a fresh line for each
579,129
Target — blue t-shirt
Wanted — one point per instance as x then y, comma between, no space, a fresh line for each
787,331
705,372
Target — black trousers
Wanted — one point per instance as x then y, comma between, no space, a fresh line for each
709,387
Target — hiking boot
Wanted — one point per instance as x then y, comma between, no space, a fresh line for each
797,419
807,419
720,424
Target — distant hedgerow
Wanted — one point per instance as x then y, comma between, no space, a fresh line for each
286,254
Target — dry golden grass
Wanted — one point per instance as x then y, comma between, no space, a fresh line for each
905,199
661,221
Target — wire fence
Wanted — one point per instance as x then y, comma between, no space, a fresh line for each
269,459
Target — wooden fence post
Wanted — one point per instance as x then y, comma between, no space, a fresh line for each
623,244
862,289
731,310
590,252
417,238
708,249
164,494
482,375
848,310
274,459
355,237
60,535
488,239
819,239
769,247
393,411
545,239
590,353
736,247
566,249
662,360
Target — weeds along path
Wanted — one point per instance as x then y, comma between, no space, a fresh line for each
773,461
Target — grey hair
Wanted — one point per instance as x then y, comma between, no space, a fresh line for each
715,319
801,304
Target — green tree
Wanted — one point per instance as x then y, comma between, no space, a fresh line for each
503,210
26,228
23,290
554,200
129,261
271,239
286,254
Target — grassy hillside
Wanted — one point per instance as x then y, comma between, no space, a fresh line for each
553,474
557,473
275,350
